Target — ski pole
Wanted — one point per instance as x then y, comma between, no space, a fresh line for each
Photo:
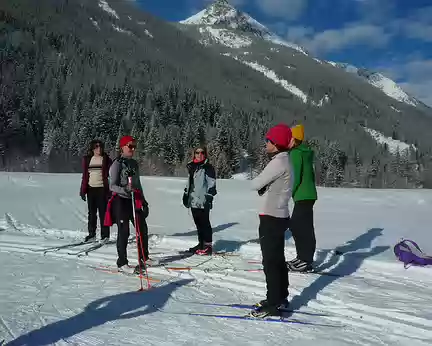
140,246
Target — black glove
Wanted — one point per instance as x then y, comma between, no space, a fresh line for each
145,209
185,200
83,197
262,190
209,201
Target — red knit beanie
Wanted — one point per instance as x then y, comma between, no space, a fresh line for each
280,135
125,140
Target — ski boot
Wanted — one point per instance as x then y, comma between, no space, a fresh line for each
299,266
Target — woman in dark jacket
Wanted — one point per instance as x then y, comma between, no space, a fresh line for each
120,206
95,187
198,195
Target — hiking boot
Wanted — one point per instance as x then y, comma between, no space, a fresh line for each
195,248
267,310
260,304
207,251
126,269
90,237
284,305
300,266
293,261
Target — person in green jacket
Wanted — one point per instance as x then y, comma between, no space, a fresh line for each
304,194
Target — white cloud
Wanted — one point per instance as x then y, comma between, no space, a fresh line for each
375,11
418,25
299,33
337,39
287,9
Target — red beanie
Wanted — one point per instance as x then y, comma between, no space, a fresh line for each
280,135
125,140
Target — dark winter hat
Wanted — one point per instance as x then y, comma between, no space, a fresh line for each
280,135
125,140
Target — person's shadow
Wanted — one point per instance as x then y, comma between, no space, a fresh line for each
344,262
116,307
215,229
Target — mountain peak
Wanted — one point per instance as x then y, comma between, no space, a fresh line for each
379,81
221,12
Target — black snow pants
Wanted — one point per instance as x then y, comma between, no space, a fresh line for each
202,221
97,199
123,210
302,229
272,242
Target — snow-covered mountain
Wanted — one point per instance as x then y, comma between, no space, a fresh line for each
222,13
388,86
221,24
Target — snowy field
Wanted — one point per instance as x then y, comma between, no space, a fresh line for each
59,298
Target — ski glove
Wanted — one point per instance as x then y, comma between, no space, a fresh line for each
209,201
145,209
83,197
185,200
262,190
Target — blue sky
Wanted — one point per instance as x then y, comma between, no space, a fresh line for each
390,36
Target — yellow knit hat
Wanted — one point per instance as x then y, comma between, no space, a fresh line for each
298,132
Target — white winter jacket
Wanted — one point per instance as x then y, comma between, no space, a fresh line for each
276,178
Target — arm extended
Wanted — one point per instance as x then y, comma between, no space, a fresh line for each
270,173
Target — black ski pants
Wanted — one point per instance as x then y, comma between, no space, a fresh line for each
272,241
202,221
302,229
97,199
123,210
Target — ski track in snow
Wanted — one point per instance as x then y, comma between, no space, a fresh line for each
61,299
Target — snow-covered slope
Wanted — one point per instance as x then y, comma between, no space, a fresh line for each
220,23
394,146
388,86
60,298
221,12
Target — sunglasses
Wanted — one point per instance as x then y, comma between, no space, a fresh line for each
198,152
131,146
268,141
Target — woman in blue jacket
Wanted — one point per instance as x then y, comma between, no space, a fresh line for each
198,195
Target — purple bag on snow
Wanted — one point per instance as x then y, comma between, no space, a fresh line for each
408,252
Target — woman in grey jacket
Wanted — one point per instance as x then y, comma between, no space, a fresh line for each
198,195
123,168
274,185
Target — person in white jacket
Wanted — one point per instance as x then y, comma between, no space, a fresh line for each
274,185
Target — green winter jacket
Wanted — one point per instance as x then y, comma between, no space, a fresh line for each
302,159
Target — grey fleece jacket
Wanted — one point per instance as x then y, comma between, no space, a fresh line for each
118,176
277,179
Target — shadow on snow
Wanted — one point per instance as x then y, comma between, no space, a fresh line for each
216,229
346,262
116,307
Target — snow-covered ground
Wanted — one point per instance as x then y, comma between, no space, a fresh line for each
58,298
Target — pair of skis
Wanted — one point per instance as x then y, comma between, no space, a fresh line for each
313,271
115,270
61,247
93,245
284,318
